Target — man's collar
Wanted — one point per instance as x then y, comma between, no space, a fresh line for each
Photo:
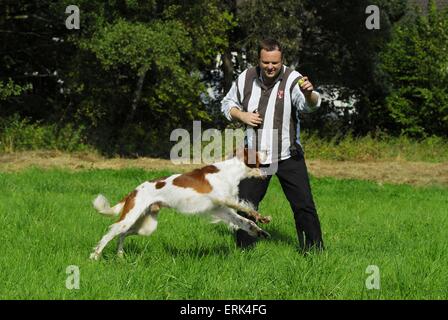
279,76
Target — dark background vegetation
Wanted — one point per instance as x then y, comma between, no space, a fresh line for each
135,69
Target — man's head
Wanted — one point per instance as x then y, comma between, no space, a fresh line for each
270,58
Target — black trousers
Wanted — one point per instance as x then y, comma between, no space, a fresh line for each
293,176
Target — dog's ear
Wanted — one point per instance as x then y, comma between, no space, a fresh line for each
251,158
257,159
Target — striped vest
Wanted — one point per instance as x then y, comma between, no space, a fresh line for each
278,136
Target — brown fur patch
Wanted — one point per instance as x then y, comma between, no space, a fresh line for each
160,184
196,179
250,157
128,205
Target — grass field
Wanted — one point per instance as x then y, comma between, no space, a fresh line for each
48,224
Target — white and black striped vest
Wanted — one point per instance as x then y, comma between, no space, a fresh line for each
279,135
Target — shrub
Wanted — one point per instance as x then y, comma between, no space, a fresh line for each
19,134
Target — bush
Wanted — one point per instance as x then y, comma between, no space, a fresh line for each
10,89
18,134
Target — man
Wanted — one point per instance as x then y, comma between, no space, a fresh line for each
269,98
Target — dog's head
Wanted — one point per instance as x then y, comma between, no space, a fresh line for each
252,159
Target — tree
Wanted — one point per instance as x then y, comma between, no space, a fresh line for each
416,65
328,41
132,72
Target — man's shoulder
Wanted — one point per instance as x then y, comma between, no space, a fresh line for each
292,72
251,69
249,72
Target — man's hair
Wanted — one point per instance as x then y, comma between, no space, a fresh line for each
269,45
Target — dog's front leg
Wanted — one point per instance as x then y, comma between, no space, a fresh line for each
120,251
259,218
231,217
244,207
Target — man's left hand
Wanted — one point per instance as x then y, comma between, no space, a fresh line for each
307,88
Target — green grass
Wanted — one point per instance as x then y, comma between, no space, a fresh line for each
48,224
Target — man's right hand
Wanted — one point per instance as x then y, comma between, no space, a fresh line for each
250,118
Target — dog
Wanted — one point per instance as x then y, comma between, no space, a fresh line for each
211,191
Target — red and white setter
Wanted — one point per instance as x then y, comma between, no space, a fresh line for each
211,190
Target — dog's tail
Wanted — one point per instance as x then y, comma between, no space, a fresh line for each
101,204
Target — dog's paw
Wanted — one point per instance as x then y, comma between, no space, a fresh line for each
94,256
263,234
265,220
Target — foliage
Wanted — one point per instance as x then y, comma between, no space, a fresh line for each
328,41
341,56
136,70
137,45
133,69
18,134
10,89
287,21
416,64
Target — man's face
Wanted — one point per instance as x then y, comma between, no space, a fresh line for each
270,63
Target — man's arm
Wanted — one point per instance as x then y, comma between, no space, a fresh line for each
230,101
231,108
249,118
304,96
312,99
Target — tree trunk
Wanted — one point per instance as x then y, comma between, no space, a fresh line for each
137,96
227,67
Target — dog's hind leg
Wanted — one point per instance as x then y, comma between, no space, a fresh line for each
144,226
120,251
119,228
148,225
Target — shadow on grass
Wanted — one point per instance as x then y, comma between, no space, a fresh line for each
215,250
282,238
139,249
277,236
